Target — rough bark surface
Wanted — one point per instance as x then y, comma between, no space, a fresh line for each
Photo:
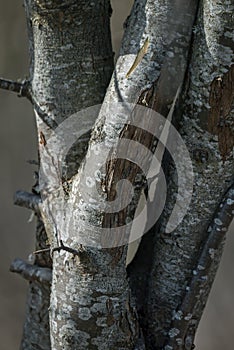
71,62
85,314
61,83
179,17
36,333
176,254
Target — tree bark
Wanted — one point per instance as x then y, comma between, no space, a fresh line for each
207,129
107,319
62,82
92,303
36,332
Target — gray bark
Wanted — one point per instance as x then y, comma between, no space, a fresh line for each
36,332
61,82
93,305
207,129
96,279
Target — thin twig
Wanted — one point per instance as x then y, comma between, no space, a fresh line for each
216,233
65,248
33,162
27,200
45,250
51,123
58,249
31,272
21,88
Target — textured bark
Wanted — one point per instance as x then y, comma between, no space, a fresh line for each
91,304
36,333
204,273
70,67
71,63
176,254
179,18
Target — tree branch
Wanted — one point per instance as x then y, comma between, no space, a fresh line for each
27,200
51,123
177,253
31,272
21,88
216,234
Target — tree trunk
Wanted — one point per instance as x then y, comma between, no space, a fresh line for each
36,326
206,114
176,59
92,302
61,83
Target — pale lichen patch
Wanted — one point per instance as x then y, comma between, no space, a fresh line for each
84,313
178,315
173,332
188,317
218,222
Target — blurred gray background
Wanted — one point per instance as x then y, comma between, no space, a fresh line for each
17,145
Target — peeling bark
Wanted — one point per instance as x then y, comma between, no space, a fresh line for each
220,116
